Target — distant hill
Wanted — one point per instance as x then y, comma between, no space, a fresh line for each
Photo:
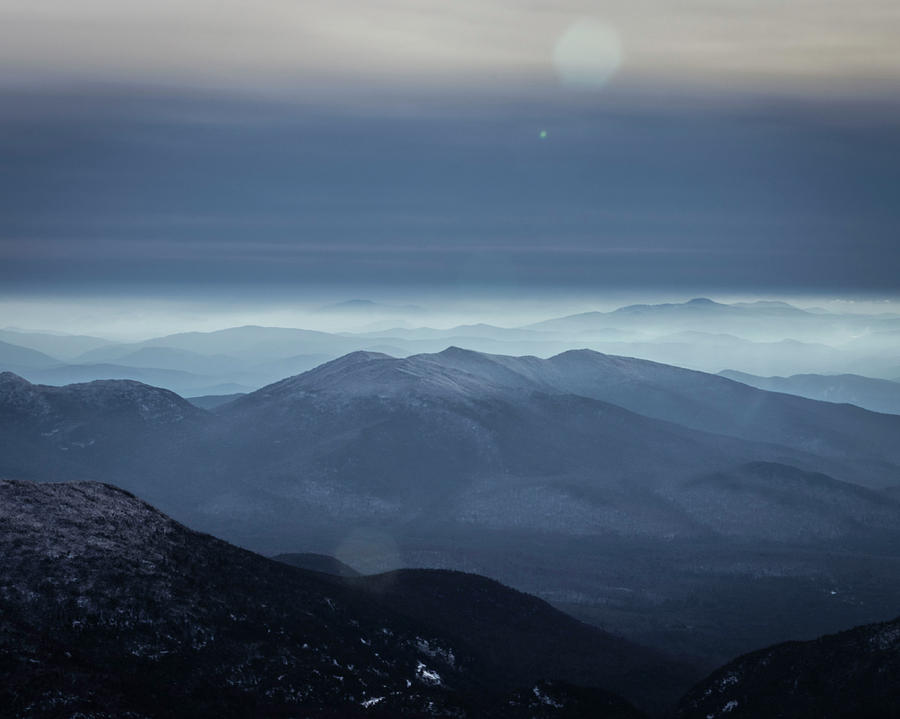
178,359
211,401
251,342
878,395
63,346
90,430
693,399
759,321
64,374
16,357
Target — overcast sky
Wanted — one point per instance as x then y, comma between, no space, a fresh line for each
808,44
195,146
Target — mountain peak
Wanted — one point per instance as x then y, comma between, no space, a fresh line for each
352,358
329,374
583,352
345,361
669,307
11,378
454,351
153,405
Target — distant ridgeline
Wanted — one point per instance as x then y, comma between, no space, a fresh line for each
760,338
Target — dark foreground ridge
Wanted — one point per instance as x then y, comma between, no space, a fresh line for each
851,674
110,608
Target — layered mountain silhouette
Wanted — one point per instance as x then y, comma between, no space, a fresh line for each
110,608
752,320
878,395
763,338
177,380
605,484
55,344
211,401
12,355
259,343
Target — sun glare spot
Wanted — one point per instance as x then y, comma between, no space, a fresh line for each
587,54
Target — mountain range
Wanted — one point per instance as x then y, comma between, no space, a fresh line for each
762,338
752,320
641,497
878,395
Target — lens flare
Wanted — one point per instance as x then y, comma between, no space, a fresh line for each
587,54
